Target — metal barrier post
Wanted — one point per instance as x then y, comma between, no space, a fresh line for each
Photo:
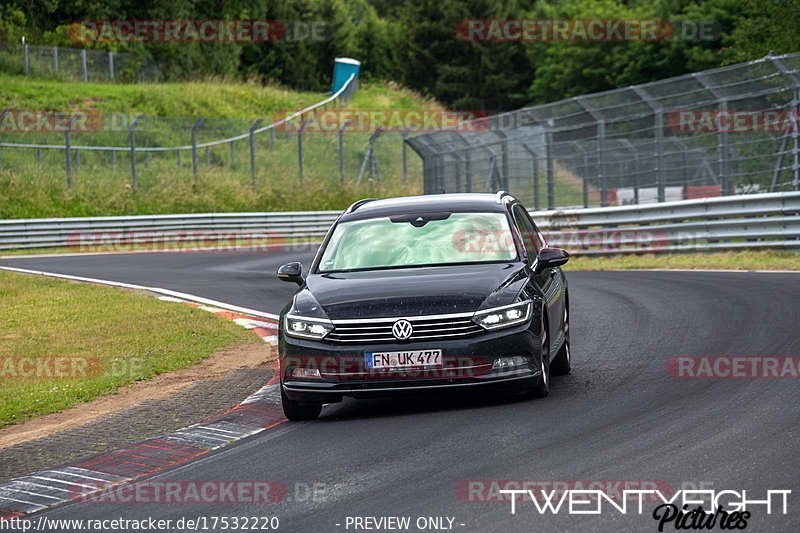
132,139
255,125
194,148
55,59
111,65
233,154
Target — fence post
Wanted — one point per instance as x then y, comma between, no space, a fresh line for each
405,158
25,64
132,139
300,148
194,148
113,160
535,168
341,151
255,125
67,150
548,135
233,154
272,139
585,188
658,123
84,67
660,185
111,65
208,156
179,160
2,118
468,171
55,59
601,162
787,72
796,140
39,157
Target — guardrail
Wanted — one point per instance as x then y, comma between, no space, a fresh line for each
726,223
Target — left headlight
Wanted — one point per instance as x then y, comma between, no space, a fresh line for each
505,316
307,328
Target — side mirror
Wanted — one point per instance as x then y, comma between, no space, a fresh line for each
551,257
291,272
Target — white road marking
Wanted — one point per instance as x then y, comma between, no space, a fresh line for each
158,290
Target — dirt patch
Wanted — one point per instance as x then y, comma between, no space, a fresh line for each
249,355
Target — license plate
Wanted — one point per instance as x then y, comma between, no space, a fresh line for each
411,359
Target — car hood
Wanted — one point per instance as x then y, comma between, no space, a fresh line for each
413,291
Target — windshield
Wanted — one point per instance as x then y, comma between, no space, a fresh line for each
425,239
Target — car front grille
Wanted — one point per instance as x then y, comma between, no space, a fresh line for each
430,327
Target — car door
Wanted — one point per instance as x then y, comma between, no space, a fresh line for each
549,280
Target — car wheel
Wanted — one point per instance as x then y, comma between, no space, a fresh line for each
543,387
562,362
297,411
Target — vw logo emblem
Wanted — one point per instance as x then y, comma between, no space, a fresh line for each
402,329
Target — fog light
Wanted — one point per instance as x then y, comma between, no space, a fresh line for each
305,373
505,363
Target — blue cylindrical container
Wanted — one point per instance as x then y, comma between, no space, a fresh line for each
343,68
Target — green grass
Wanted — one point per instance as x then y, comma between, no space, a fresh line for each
32,187
211,98
742,260
118,336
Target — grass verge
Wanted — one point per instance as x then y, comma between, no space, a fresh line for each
64,343
743,260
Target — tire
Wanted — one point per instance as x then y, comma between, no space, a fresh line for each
562,362
298,411
542,388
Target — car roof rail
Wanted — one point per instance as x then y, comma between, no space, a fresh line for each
498,199
358,203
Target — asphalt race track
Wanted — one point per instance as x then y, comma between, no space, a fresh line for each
619,416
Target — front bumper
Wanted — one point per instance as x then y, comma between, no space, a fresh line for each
467,363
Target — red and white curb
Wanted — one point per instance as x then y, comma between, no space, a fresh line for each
77,480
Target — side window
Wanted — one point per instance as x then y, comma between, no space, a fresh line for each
528,231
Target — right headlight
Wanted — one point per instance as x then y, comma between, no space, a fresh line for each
307,328
505,316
